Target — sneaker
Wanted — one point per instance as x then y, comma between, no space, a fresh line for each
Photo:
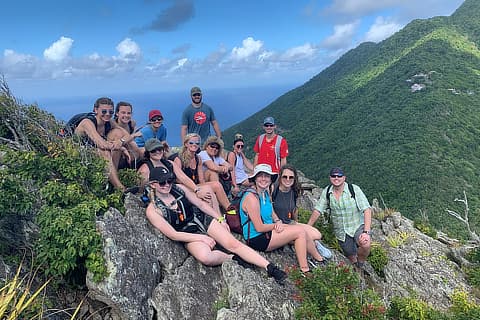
324,251
313,263
242,262
274,272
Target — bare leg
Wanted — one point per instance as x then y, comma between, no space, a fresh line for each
229,242
112,170
296,234
205,255
220,193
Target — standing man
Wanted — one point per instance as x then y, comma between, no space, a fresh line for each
351,217
197,117
270,148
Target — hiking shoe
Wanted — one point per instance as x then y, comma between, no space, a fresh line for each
242,262
313,263
274,272
324,251
307,274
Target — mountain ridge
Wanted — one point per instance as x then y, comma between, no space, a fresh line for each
399,115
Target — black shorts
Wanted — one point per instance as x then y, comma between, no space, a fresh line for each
261,242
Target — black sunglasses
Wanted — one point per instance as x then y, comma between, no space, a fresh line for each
193,142
214,146
104,111
196,94
239,146
269,125
288,177
157,150
156,119
169,181
336,175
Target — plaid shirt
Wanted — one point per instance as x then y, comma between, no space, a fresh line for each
347,215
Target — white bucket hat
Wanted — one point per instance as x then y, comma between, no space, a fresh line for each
263,167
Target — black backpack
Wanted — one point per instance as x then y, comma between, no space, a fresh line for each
74,121
352,193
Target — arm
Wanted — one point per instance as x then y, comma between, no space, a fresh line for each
313,217
165,228
231,156
216,128
246,162
367,219
251,205
183,132
201,174
186,181
200,204
215,168
87,128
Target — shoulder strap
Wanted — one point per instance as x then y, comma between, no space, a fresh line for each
277,146
352,191
260,140
328,196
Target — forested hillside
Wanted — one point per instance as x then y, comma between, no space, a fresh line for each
401,116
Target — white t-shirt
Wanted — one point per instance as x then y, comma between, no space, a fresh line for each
205,157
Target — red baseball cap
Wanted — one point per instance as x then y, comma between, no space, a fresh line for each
154,113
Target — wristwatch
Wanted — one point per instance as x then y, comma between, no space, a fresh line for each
369,232
123,141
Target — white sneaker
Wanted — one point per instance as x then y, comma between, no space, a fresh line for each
324,251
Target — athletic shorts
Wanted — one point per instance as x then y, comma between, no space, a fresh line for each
261,242
350,245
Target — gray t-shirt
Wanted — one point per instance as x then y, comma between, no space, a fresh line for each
198,120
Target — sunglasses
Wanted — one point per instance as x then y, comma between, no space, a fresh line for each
196,95
269,125
214,146
193,143
336,175
105,111
163,183
157,150
156,119
239,146
288,177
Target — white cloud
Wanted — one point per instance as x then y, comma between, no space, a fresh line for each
129,50
342,36
59,50
301,52
360,7
250,47
381,29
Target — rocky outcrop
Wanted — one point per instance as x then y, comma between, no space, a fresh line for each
151,277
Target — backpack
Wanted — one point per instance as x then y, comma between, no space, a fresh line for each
352,193
277,145
228,155
74,121
233,212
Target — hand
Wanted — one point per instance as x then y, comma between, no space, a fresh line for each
204,195
126,153
278,227
208,241
364,240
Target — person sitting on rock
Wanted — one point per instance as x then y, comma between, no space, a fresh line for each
215,167
284,197
94,132
170,211
240,164
351,217
155,129
191,164
263,230
155,157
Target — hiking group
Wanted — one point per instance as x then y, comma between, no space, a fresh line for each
198,194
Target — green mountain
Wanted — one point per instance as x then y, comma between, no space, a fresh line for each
402,117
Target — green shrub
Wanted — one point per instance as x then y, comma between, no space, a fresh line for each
378,258
334,292
409,308
425,227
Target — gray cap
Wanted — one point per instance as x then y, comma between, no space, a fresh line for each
269,120
152,144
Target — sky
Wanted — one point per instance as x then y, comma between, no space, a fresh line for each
64,48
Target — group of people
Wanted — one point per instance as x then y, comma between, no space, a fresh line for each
188,197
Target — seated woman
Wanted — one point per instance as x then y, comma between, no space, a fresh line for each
123,128
155,157
239,162
170,211
191,164
284,196
263,230
214,164
154,129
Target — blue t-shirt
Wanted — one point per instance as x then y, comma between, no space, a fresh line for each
147,133
198,120
266,210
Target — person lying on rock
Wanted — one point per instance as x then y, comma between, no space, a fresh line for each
171,211
262,228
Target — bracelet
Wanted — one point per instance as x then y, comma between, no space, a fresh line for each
221,219
196,190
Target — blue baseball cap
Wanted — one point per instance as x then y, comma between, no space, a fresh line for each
269,120
337,172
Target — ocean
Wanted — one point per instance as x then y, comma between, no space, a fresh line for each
230,105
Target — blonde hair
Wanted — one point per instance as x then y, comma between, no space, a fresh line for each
184,155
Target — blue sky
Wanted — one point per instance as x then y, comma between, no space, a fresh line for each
76,48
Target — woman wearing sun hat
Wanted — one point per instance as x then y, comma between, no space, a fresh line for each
263,230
